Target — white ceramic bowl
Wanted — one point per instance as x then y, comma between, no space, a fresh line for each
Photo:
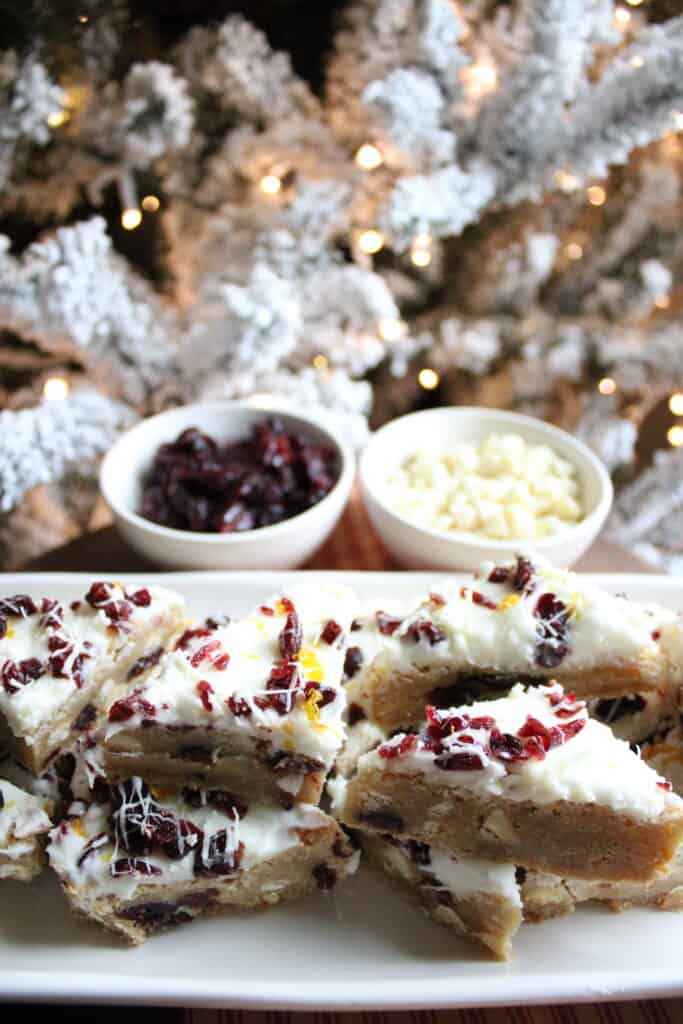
282,546
417,547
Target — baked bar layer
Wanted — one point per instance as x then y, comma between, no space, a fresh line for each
59,664
520,620
527,779
255,704
477,899
151,860
24,824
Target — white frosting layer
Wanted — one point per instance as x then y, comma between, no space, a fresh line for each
590,767
264,830
466,875
308,726
22,819
86,633
600,629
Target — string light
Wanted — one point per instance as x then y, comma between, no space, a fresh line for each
369,157
662,302
479,79
420,249
83,18
567,181
674,436
55,389
637,61
57,118
607,386
421,257
320,361
634,3
391,328
428,378
270,184
678,119
131,218
371,241
574,251
676,403
596,195
151,204
622,17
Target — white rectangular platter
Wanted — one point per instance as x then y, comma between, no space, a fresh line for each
361,947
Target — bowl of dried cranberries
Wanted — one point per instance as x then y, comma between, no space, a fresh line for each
228,485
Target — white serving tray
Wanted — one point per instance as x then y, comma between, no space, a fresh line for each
361,947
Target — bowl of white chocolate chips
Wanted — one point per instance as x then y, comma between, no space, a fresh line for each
447,488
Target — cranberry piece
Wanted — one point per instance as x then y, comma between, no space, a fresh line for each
666,786
499,574
353,662
331,631
478,598
3,627
99,594
482,722
356,625
141,598
145,662
186,638
133,866
507,747
205,690
551,631
419,853
238,706
460,761
425,629
19,606
266,610
204,653
524,573
17,674
355,714
325,876
93,844
85,718
220,858
291,636
570,729
389,751
127,707
655,634
387,624
437,600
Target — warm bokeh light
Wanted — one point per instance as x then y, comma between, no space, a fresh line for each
574,251
676,403
55,389
596,195
567,181
678,119
622,17
371,241
607,386
391,328
369,157
421,257
479,79
151,204
57,118
131,218
83,18
428,378
674,436
637,61
320,361
634,3
270,184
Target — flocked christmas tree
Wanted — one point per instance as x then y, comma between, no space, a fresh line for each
484,198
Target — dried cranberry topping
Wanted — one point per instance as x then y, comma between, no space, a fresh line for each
141,598
17,674
666,786
99,594
507,747
220,858
524,574
186,638
331,631
551,631
389,751
133,866
656,634
425,629
85,718
353,662
437,600
196,484
127,707
460,761
19,606
387,624
291,636
267,610
145,662
499,574
205,690
93,844
478,598
238,706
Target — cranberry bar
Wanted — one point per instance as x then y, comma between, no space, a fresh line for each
254,704
58,660
24,824
478,899
148,860
528,779
520,621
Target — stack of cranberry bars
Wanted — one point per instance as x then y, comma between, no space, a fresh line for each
475,778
